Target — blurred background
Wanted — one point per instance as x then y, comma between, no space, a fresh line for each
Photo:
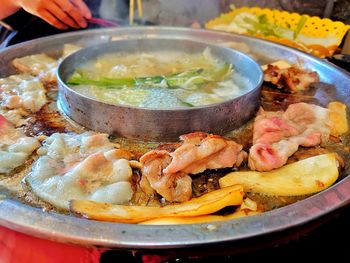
184,12
22,26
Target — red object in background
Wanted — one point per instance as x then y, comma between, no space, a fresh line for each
17,247
103,22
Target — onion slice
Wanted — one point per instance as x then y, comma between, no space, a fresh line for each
203,205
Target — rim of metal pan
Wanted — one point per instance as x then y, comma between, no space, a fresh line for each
69,229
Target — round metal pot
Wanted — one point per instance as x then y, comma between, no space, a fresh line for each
160,124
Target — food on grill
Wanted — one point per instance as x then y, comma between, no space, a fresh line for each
206,204
21,95
199,219
40,65
15,147
291,79
85,166
178,183
337,115
162,79
168,172
242,211
278,135
304,177
316,36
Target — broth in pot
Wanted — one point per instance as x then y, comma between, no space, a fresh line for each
158,79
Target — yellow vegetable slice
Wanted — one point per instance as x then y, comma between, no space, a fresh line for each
337,115
304,177
206,204
198,219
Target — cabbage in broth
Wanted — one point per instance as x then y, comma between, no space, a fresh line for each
160,79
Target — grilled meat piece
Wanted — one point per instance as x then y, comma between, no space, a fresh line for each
21,95
80,166
15,147
277,135
292,79
168,172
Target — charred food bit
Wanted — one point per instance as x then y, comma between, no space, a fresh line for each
292,79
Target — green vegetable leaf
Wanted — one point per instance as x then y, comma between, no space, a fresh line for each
220,73
185,103
300,25
179,79
149,81
78,79
172,81
190,79
262,26
263,19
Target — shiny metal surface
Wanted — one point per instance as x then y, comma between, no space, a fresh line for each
160,124
69,229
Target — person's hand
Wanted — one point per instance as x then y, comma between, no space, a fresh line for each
58,13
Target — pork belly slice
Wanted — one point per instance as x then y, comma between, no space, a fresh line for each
175,187
39,65
80,166
21,95
15,147
291,79
278,135
167,172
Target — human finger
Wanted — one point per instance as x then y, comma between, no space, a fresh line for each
83,8
73,12
61,15
52,20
